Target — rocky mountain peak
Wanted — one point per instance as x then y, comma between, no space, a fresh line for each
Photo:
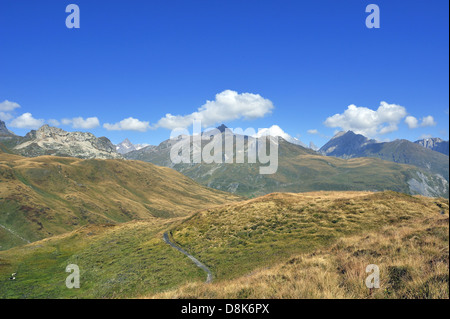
435,143
222,128
345,144
126,146
49,140
4,130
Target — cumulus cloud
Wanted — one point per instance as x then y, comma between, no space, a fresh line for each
228,105
413,122
276,131
368,122
129,124
313,132
53,122
8,106
26,120
81,123
428,121
4,116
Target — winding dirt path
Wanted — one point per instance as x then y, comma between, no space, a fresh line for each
209,276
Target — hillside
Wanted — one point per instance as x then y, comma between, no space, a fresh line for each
116,261
237,238
45,196
268,246
413,259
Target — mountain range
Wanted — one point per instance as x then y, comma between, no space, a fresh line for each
302,169
348,161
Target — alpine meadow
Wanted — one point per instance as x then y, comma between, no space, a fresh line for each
220,158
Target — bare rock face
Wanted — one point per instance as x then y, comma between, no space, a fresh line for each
435,144
55,141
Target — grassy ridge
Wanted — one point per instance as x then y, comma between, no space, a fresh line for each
235,239
413,259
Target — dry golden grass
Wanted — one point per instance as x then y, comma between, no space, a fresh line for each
413,260
407,237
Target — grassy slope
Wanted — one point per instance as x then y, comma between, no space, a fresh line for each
131,259
413,260
45,196
305,173
115,261
235,239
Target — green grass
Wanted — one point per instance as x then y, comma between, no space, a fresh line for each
114,261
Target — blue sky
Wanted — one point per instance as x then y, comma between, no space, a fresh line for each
307,60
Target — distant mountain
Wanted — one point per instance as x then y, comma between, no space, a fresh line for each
7,138
301,169
346,145
435,144
313,146
351,145
55,141
4,132
126,146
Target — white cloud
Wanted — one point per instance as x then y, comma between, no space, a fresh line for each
389,128
5,116
368,122
428,121
5,108
275,131
26,120
228,105
425,136
313,132
8,106
411,121
129,124
53,122
80,123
